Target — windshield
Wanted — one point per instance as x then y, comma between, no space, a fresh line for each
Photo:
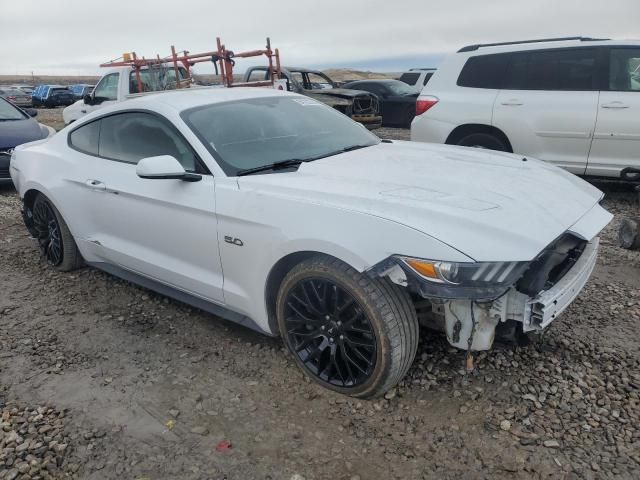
9,112
254,132
401,88
57,91
156,79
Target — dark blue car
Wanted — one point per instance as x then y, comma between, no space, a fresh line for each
52,96
16,127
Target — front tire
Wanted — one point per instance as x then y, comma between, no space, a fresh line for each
349,332
483,140
56,242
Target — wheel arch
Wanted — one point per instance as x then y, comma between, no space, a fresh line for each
30,197
275,277
462,131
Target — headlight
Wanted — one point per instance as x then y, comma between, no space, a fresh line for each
478,280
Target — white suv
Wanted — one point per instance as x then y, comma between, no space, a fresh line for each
574,102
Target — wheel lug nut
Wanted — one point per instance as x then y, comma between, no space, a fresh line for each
327,317
322,327
339,323
341,337
331,340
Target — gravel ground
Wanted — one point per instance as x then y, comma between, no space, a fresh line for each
51,117
100,379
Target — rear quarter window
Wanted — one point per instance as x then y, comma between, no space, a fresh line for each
484,71
86,138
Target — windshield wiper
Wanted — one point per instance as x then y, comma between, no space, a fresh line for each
342,150
293,162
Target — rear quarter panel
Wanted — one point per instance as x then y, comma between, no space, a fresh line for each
457,105
39,166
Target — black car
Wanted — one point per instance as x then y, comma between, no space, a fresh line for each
52,96
16,127
398,100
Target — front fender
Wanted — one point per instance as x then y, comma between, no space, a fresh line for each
272,226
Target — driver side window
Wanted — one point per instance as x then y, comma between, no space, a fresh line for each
318,82
107,89
130,137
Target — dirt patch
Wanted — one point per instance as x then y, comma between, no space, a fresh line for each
51,117
150,388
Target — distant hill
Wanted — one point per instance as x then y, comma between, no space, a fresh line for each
345,74
337,74
47,79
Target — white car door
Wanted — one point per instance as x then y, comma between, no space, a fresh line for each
163,229
616,141
549,104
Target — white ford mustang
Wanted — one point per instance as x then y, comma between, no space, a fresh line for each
275,211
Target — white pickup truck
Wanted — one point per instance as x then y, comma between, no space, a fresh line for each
121,83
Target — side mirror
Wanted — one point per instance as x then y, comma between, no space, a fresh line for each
88,99
164,167
32,112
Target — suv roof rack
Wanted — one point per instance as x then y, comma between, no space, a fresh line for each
421,68
471,48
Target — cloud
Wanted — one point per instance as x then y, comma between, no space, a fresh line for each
73,37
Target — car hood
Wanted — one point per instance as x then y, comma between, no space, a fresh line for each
16,132
488,205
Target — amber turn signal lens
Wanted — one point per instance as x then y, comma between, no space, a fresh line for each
424,268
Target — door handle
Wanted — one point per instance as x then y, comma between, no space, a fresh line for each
96,185
614,105
512,103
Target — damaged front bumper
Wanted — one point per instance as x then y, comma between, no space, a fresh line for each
534,313
471,324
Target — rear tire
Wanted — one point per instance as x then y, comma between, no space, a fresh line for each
483,140
55,240
349,332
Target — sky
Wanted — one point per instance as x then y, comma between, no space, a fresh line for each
70,37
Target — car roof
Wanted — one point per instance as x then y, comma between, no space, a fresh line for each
524,45
184,99
303,69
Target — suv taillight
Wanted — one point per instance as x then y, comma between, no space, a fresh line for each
425,103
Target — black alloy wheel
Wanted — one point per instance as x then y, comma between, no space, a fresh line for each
329,332
48,233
